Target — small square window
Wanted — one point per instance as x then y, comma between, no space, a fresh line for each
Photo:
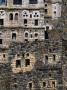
54,12
26,40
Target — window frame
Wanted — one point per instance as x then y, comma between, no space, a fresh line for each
16,2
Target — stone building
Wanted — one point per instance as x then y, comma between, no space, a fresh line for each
33,43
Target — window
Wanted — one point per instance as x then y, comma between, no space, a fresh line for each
54,57
46,59
16,16
36,34
0,41
27,54
54,12
25,21
14,36
26,40
19,2
47,27
26,34
1,22
18,63
45,11
30,86
3,55
44,84
46,35
11,16
36,40
53,84
30,15
2,2
33,1
36,22
45,5
27,62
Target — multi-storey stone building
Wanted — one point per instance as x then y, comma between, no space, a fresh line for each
33,43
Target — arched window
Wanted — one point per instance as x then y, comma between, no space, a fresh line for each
11,16
26,34
16,16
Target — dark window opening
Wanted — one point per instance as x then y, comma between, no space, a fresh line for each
30,86
45,11
25,21
26,40
27,54
13,35
36,40
53,83
44,84
18,63
36,34
27,62
0,41
46,35
30,15
33,2
36,22
46,59
47,27
54,12
1,22
26,34
54,57
45,5
11,16
16,16
3,55
17,2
